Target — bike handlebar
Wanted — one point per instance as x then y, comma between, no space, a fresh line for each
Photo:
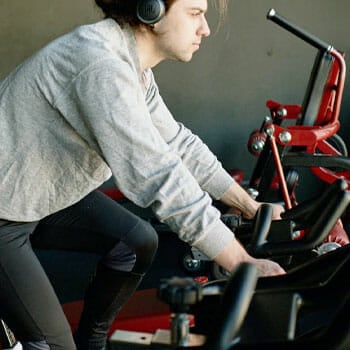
299,32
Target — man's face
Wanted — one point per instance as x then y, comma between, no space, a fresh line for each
182,29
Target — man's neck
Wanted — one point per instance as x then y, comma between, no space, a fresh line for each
148,54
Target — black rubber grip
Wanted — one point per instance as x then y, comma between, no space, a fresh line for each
299,32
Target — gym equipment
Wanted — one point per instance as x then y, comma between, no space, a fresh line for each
332,203
7,338
312,141
181,294
277,239
305,309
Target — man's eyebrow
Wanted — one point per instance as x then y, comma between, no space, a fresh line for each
200,9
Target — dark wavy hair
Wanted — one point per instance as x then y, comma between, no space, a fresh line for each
124,11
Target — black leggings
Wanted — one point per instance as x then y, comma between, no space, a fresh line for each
96,224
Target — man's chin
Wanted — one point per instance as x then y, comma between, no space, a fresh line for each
181,58
185,58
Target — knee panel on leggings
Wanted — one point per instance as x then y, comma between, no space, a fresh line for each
120,258
136,252
39,345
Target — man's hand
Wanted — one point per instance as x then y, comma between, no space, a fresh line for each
268,268
338,234
277,210
241,203
234,254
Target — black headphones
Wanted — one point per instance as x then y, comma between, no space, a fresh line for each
150,11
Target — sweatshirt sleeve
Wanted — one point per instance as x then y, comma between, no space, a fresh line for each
106,104
196,156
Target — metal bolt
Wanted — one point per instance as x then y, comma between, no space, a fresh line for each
282,112
270,130
252,192
285,137
258,146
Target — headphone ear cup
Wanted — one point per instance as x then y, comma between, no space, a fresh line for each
150,11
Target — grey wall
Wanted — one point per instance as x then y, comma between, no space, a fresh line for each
221,94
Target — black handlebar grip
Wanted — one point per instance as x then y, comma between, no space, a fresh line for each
235,303
299,32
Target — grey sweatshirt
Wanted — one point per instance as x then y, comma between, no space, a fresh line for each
79,111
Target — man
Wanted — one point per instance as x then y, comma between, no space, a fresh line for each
82,109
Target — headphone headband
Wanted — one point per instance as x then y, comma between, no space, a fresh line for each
150,11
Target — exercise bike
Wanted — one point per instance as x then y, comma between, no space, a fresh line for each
291,311
307,308
310,140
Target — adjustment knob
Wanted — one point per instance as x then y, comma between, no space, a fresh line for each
180,293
